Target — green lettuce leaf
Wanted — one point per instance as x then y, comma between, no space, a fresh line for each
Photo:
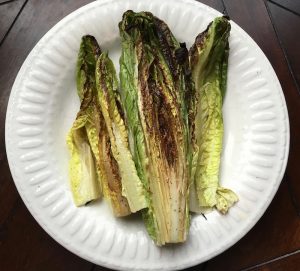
152,74
107,85
82,168
91,129
209,62
82,139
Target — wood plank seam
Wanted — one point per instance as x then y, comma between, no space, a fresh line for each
224,8
14,21
282,47
272,261
292,196
283,7
6,2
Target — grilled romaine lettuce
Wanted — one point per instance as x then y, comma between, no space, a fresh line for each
82,139
107,85
209,61
153,83
109,170
82,167
147,146
89,140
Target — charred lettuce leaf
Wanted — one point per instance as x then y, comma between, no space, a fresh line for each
93,168
107,85
109,170
82,139
88,54
209,63
153,82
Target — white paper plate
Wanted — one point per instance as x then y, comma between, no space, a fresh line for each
43,105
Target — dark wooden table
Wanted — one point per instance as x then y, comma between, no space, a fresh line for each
273,244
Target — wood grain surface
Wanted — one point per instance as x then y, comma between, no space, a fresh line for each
9,13
290,5
272,244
